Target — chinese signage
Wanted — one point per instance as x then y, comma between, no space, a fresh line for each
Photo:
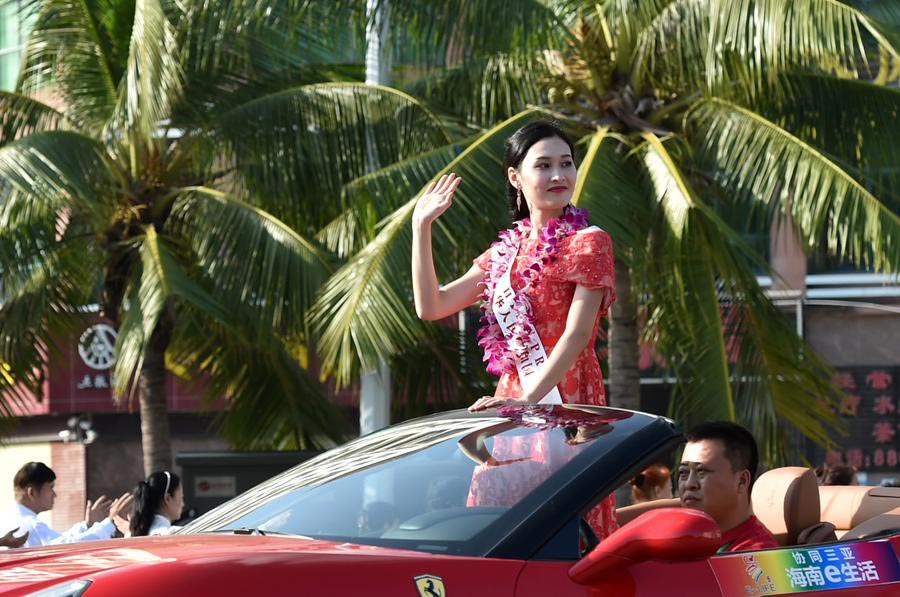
798,570
870,411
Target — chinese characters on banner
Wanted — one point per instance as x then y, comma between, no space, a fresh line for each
870,411
797,570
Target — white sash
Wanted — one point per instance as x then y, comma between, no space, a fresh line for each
532,357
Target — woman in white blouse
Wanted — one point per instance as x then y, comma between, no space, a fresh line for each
158,502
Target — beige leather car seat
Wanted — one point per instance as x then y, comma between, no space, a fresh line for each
849,506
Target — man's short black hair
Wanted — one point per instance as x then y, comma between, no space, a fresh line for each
33,474
740,446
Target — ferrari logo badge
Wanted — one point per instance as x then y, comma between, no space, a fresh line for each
430,586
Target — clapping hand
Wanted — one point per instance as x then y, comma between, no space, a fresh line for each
97,510
437,199
10,540
121,506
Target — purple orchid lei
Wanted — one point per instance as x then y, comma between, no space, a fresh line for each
498,351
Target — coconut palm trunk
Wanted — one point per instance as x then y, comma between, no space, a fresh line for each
155,437
624,373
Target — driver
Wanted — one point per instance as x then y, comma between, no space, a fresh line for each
717,471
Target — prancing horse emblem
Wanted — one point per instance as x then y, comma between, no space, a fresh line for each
430,586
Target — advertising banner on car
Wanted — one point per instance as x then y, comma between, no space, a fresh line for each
798,570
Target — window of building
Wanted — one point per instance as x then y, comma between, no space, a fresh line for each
12,39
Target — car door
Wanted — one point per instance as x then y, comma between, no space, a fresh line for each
650,579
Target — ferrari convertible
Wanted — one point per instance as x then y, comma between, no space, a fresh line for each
509,502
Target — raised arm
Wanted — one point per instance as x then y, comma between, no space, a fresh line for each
432,300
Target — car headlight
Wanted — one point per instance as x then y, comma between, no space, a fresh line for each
72,588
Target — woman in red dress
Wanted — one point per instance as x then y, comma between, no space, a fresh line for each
560,271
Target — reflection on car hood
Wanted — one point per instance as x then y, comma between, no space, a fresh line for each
46,566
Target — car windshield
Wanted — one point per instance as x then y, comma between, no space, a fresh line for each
432,484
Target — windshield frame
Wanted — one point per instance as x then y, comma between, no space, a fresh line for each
502,537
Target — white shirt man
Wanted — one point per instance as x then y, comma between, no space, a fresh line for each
34,487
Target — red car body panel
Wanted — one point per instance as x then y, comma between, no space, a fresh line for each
247,565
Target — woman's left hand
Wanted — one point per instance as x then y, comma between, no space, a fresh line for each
486,402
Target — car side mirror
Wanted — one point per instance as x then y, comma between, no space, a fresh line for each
673,534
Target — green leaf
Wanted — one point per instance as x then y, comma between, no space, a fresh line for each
775,36
685,283
610,187
40,304
860,140
273,402
57,166
296,149
21,115
757,160
374,196
255,259
75,46
432,32
487,90
153,80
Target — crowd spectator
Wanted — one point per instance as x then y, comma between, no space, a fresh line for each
34,486
158,502
653,483
839,474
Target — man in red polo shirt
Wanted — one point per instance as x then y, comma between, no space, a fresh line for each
717,471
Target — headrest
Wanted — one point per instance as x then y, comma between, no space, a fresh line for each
786,501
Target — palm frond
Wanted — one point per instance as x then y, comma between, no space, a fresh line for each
309,141
153,79
757,160
21,115
734,355
685,284
437,374
487,90
272,402
158,281
365,312
369,199
234,52
432,32
57,166
256,260
39,306
670,45
814,107
610,187
777,36
76,47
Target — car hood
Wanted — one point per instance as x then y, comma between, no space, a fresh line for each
26,570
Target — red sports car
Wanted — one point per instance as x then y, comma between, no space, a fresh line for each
458,504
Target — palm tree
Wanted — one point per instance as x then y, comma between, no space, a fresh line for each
194,153
699,121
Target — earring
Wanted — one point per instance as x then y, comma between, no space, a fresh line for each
519,198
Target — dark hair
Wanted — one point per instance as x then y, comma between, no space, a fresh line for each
32,474
655,476
148,497
839,474
518,145
377,517
740,446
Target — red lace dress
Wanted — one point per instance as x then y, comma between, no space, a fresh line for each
585,259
